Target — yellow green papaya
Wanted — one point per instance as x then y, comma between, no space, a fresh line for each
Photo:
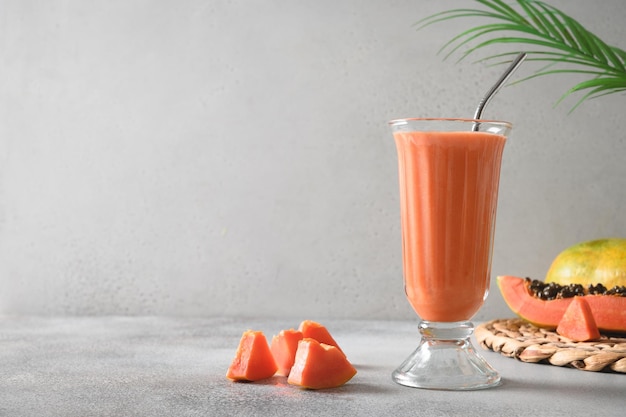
601,261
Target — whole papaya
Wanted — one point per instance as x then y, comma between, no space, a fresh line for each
601,261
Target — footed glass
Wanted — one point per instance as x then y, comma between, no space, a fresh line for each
449,171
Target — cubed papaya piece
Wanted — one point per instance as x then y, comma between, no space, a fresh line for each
578,322
253,360
317,331
318,366
284,346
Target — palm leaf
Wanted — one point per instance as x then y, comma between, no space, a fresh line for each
547,35
597,88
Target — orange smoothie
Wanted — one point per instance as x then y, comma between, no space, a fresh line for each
448,196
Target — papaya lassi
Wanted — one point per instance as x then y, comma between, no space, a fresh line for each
448,195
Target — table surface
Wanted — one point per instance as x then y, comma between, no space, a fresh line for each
156,366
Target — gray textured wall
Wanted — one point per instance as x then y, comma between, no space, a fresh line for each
232,157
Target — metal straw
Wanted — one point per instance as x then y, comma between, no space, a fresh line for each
496,87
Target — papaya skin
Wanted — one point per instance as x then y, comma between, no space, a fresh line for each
609,311
601,261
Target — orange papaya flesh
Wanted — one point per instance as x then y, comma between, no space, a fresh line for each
314,330
609,311
284,346
578,323
253,360
320,366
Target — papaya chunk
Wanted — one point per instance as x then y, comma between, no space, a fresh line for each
253,360
314,330
578,323
284,346
319,366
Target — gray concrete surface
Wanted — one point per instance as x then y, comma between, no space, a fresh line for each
153,366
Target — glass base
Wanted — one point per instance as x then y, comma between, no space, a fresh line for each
445,359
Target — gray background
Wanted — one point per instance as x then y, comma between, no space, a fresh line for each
211,158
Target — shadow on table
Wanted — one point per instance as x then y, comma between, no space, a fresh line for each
353,386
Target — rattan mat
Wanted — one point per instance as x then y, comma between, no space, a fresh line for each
521,340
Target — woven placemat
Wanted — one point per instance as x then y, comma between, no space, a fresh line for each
521,340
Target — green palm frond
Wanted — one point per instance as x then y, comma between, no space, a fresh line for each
547,35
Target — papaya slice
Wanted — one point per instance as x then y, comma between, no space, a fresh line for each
284,346
253,360
319,366
609,311
314,330
578,323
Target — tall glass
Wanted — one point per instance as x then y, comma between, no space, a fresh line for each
449,170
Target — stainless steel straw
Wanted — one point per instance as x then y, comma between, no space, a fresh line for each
496,87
